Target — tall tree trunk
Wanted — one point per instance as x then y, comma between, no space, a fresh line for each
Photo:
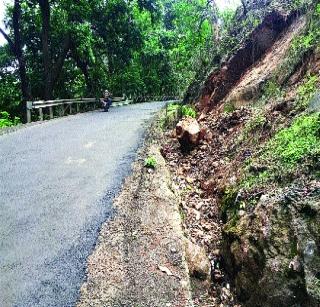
25,88
17,50
244,5
83,66
52,69
58,65
45,13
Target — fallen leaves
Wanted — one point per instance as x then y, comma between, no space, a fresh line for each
165,270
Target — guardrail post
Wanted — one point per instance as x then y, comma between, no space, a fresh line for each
41,114
70,111
51,112
78,108
29,107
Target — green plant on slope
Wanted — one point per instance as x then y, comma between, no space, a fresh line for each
254,125
289,149
300,140
306,90
271,90
6,121
300,46
172,115
229,108
150,162
188,111
173,108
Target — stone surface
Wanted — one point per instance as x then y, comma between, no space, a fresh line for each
197,259
188,132
273,253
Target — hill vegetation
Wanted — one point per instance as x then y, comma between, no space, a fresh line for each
67,49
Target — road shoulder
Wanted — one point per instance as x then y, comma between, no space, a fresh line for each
139,259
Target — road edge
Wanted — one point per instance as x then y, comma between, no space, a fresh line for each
114,275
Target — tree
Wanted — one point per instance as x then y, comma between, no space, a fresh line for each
16,47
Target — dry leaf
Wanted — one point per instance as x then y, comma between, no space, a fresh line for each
165,270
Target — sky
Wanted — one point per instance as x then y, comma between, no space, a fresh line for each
2,9
222,4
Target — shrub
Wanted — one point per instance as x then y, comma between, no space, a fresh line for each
150,162
271,90
253,126
173,113
6,121
300,46
173,107
188,111
306,90
229,108
300,140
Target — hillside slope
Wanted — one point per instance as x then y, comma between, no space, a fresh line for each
251,189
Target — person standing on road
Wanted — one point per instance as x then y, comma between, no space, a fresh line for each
106,100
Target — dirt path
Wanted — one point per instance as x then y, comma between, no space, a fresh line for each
139,259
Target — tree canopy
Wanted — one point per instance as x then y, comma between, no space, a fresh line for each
65,49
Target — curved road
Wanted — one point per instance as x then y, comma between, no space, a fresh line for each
57,181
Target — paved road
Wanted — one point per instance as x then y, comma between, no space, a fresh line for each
57,181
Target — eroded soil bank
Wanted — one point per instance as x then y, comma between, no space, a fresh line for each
250,186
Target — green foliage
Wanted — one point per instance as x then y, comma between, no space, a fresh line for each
6,121
172,115
301,45
140,48
255,179
300,140
254,125
306,90
188,111
173,108
271,90
150,162
300,5
290,149
229,107
228,203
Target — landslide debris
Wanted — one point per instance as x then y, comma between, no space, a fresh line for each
250,192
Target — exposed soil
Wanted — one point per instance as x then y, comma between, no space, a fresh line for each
249,86
220,82
197,175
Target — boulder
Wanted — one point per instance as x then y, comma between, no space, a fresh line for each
198,261
188,132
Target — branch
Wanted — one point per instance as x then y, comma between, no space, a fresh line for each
60,61
8,39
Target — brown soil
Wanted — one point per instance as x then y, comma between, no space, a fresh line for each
219,83
251,82
199,176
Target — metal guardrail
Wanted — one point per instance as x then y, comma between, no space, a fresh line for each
66,104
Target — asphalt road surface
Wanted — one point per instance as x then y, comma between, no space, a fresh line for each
57,181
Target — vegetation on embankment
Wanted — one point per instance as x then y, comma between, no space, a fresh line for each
257,169
7,121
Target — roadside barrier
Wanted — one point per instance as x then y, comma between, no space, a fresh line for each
62,107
